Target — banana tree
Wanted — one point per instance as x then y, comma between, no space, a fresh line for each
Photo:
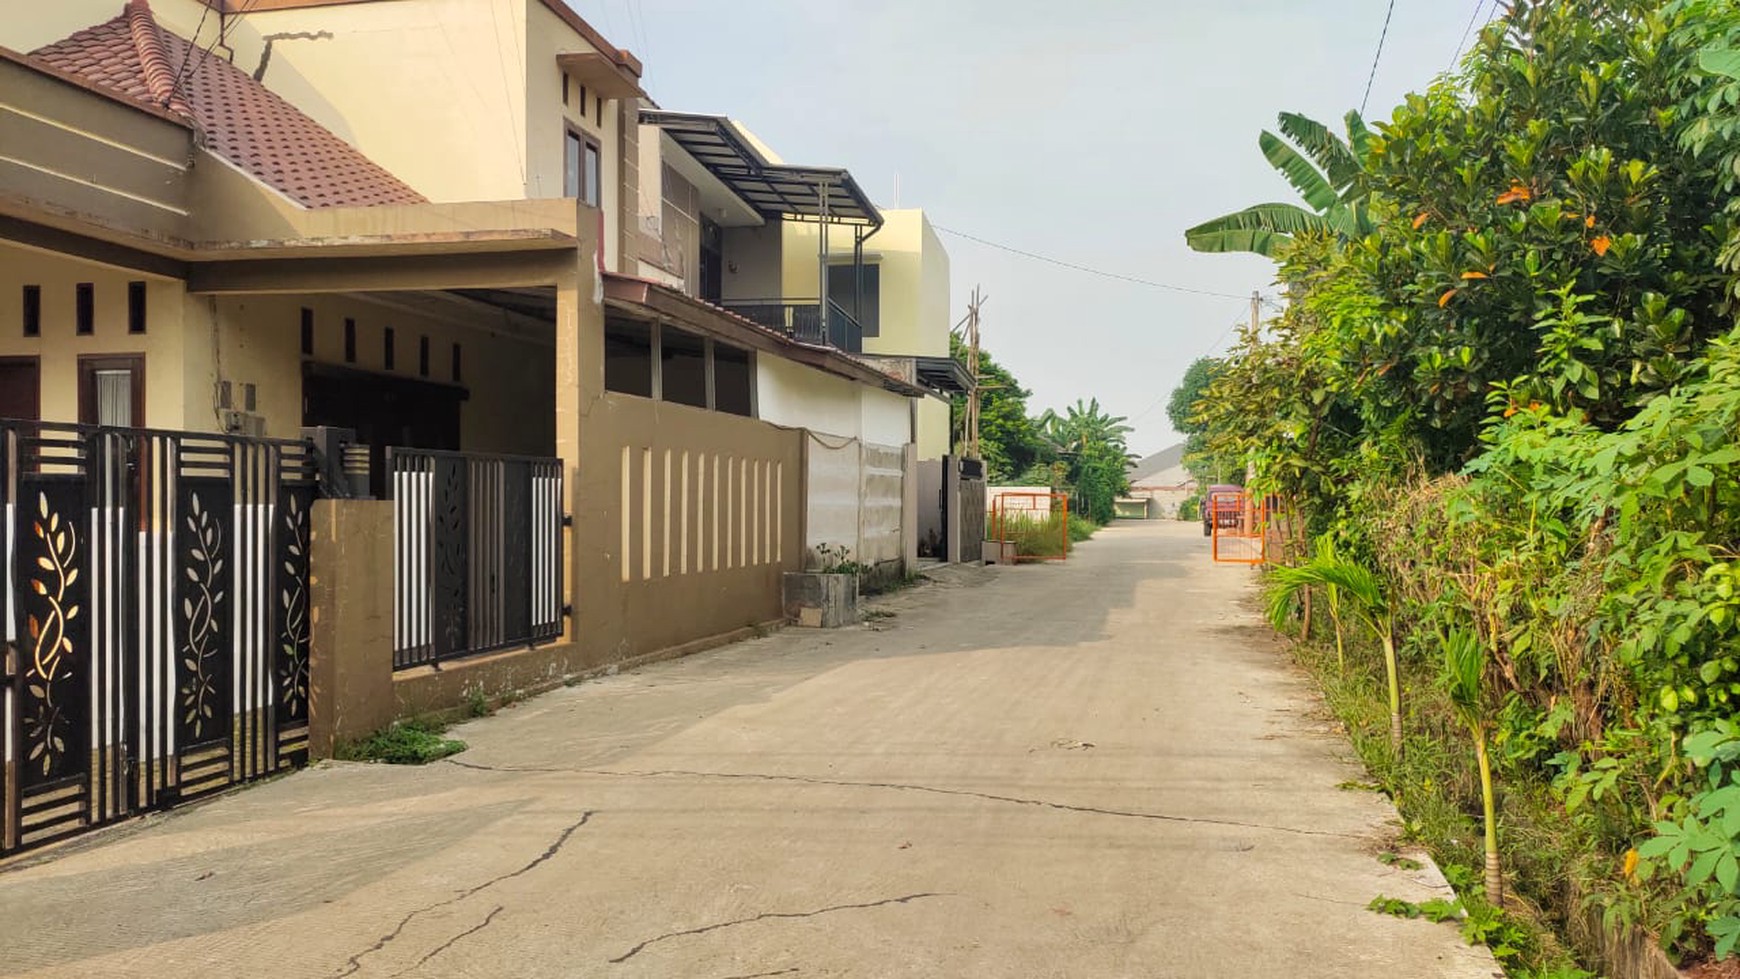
1359,589
1323,167
1464,668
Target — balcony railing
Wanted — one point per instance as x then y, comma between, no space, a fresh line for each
801,319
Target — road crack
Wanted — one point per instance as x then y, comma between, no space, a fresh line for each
354,963
934,790
449,943
768,916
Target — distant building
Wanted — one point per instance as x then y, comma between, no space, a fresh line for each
1162,479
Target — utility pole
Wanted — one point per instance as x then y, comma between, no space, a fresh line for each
970,424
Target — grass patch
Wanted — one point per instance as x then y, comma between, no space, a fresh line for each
413,742
1436,788
1036,536
1398,861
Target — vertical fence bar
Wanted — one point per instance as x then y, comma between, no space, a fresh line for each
478,550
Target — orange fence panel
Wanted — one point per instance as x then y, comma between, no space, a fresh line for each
1241,526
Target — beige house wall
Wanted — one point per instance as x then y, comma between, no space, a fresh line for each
430,90
754,268
192,342
914,279
934,440
170,402
686,520
510,378
547,121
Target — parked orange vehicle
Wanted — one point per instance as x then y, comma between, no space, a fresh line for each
1222,507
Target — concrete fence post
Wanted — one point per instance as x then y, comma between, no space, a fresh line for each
350,662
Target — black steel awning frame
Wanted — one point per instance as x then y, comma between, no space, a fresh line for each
779,191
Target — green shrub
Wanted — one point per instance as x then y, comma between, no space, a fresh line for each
1037,536
412,742
1191,508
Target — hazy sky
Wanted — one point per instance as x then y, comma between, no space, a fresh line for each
1094,132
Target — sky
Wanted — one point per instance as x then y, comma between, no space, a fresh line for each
1093,132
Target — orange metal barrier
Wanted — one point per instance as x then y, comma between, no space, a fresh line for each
1241,527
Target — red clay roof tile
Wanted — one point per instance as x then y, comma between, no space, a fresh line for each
243,121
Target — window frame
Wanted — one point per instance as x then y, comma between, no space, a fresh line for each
89,365
574,136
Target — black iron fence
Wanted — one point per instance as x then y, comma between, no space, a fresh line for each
477,550
156,619
801,319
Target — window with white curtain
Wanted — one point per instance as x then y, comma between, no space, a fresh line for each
115,397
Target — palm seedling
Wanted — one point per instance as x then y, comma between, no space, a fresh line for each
1464,667
1324,548
1363,594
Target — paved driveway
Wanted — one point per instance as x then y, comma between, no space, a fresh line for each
1100,769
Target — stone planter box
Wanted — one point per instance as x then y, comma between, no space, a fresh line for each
999,552
821,601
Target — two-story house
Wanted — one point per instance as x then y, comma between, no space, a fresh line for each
204,249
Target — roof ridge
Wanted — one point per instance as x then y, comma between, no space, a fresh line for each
154,61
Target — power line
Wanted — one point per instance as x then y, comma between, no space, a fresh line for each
1235,324
1377,57
1472,20
1085,268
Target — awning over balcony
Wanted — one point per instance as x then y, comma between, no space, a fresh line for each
944,374
777,191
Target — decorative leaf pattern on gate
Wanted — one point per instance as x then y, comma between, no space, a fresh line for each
47,726
449,533
202,609
293,602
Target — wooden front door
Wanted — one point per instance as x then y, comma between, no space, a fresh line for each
20,388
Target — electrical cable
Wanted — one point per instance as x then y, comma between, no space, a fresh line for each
1473,19
1377,57
1085,268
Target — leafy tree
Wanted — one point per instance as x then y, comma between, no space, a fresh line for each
1092,444
1541,231
1181,408
1323,167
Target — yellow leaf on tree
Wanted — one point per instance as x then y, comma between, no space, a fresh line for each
1474,275
1601,243
1421,219
1631,861
1517,192
1444,300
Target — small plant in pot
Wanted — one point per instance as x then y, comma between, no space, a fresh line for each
826,597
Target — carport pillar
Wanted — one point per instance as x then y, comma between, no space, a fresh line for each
579,387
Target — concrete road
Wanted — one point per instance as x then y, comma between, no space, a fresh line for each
1101,769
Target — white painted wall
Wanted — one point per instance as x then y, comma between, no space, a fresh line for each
789,393
858,434
885,417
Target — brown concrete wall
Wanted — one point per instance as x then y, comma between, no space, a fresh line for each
685,521
350,663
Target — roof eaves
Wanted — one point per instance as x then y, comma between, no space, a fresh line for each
79,81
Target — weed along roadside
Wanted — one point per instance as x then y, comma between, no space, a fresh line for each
1502,411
